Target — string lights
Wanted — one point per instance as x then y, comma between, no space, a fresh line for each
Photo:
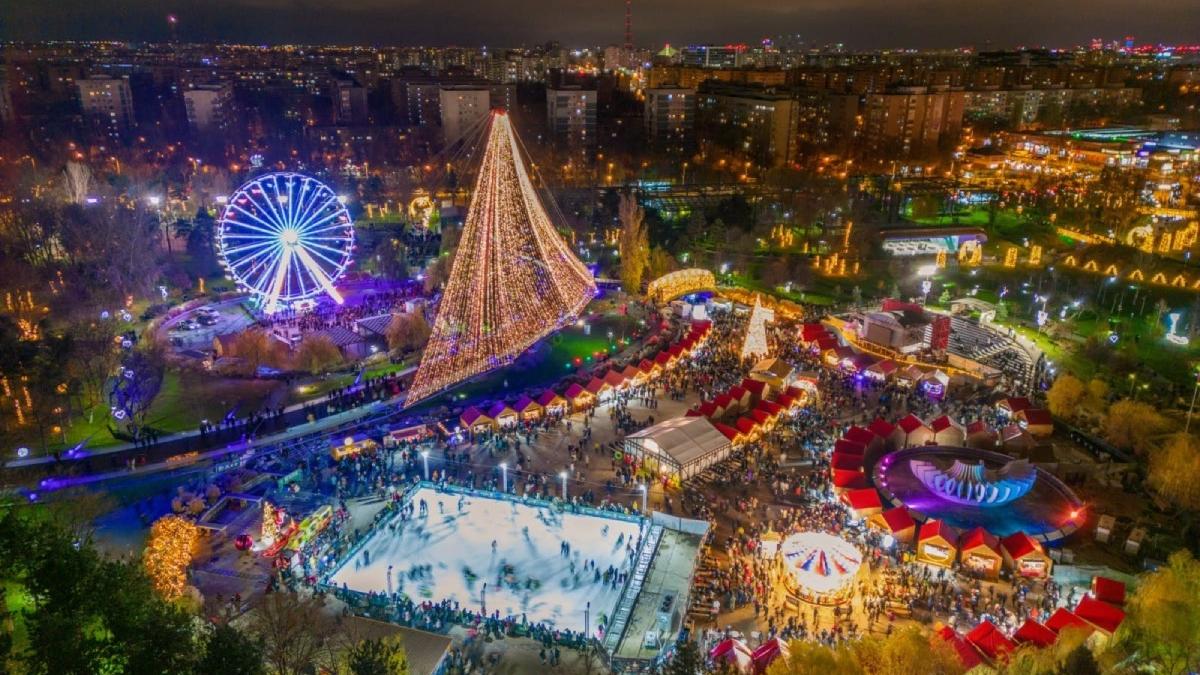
173,543
514,280
755,343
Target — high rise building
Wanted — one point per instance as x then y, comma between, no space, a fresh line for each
6,106
107,103
463,107
912,121
571,116
349,102
670,118
209,107
714,56
758,123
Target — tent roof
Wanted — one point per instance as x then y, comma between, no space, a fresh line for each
937,528
1036,633
1016,403
849,479
471,415
1063,618
769,407
978,427
846,461
1100,614
727,431
1019,544
848,446
683,439
1108,590
859,435
865,498
756,387
898,519
525,403
942,423
500,408
1037,416
989,640
575,389
980,537
910,423
548,397
881,427
966,653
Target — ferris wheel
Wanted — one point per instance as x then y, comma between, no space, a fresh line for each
284,238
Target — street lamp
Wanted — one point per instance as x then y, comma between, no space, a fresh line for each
425,459
504,476
645,499
563,476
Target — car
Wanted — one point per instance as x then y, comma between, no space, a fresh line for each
191,324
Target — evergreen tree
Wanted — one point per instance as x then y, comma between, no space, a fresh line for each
687,660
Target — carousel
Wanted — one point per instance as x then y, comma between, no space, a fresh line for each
821,567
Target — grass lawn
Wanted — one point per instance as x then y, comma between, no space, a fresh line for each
806,297
183,401
18,601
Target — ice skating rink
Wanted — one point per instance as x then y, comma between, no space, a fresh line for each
526,573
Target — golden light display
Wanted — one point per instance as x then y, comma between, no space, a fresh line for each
941,259
514,280
680,282
172,545
1035,255
1010,257
270,524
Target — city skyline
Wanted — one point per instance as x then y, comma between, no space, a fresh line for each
863,24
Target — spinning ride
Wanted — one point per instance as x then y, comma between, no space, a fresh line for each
285,238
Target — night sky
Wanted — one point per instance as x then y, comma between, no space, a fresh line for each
860,24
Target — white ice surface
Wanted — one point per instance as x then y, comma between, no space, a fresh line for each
452,541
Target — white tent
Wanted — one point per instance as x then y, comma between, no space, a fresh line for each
684,445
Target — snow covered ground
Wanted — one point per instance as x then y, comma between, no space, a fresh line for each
457,545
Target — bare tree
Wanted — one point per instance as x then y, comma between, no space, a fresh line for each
293,630
77,182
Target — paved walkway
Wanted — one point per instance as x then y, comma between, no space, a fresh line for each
185,441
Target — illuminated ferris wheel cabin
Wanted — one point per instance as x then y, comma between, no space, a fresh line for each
284,238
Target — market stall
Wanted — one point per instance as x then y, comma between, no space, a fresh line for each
1025,556
979,551
937,544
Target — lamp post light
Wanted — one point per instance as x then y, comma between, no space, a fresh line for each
504,477
645,499
563,476
425,459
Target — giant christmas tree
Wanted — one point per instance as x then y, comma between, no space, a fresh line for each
514,280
